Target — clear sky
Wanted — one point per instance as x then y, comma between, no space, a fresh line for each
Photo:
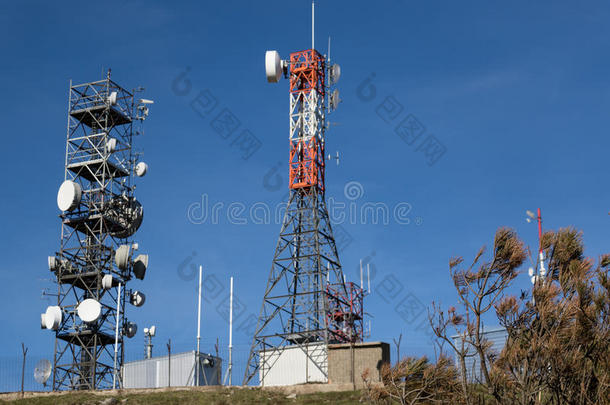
515,93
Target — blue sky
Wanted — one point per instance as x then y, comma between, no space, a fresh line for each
516,92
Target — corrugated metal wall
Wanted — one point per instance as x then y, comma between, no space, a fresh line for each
496,336
290,365
154,372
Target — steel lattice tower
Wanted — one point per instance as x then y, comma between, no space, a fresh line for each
296,304
101,164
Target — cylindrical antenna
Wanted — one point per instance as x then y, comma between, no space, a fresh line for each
148,346
231,333
328,75
313,18
540,252
361,279
539,230
368,276
198,326
116,336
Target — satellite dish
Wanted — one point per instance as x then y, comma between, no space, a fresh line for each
128,213
530,214
53,263
530,271
137,299
121,256
146,331
273,66
141,169
111,145
43,321
89,310
334,99
208,362
112,98
335,73
69,195
53,317
152,330
42,371
56,263
131,329
139,266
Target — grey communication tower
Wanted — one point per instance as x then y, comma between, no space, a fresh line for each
96,259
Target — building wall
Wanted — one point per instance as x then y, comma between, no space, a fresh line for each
290,365
154,372
371,356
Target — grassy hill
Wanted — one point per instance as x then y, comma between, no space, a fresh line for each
218,396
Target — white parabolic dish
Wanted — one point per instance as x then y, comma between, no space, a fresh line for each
89,310
141,169
335,73
53,317
42,371
69,195
273,66
334,99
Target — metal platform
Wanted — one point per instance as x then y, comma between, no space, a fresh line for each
95,116
91,169
87,338
90,224
82,280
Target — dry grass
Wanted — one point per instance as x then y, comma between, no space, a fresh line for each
220,396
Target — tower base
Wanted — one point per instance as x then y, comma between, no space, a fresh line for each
347,362
293,364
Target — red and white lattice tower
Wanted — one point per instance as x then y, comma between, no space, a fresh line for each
306,304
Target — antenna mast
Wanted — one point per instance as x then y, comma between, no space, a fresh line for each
97,259
313,19
540,252
198,371
307,303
